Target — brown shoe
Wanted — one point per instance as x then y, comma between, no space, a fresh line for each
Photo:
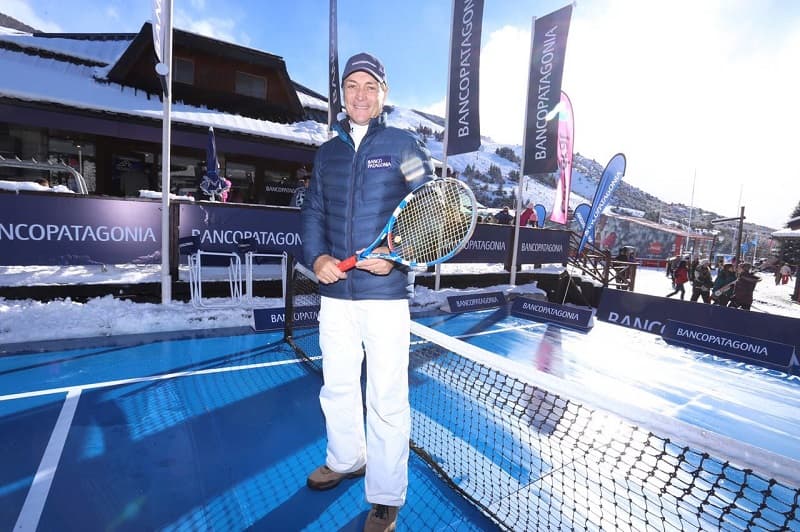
381,518
324,478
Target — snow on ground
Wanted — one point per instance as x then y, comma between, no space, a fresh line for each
30,321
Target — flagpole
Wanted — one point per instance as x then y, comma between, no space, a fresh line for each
513,278
165,70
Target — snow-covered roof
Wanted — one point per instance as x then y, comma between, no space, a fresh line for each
55,80
786,233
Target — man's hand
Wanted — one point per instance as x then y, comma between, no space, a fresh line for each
327,271
376,266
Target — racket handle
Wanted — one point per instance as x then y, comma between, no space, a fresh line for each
347,264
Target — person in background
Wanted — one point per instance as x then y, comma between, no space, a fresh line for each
722,290
503,217
744,288
45,183
702,282
679,278
786,273
528,216
300,192
359,177
778,267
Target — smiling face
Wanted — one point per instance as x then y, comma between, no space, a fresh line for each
363,97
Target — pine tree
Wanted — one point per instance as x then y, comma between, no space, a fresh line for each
795,212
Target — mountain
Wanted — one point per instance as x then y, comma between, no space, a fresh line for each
494,178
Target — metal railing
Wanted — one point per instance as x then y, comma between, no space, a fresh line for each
600,266
47,166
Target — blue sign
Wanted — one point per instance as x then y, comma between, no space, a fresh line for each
47,229
577,318
220,227
758,350
489,243
464,303
653,313
543,246
274,319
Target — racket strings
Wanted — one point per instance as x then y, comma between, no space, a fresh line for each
434,223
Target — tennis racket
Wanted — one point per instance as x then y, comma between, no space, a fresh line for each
429,226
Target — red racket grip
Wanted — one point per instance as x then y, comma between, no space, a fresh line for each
347,264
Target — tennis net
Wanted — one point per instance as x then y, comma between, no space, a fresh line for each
533,454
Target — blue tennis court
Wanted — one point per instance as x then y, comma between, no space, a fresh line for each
219,433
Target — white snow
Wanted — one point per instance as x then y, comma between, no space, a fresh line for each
29,320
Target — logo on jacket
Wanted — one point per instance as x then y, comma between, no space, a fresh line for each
384,161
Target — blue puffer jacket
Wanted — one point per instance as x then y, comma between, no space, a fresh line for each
351,196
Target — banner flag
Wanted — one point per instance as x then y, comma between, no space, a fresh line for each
548,50
463,130
541,214
566,140
581,214
334,96
159,29
612,175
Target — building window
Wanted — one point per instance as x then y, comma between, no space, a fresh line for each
250,85
184,71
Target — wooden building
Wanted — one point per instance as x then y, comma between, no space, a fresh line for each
94,102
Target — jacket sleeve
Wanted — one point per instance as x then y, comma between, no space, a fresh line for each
312,217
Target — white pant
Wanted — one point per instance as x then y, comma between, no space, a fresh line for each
384,329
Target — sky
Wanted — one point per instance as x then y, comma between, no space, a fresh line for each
701,97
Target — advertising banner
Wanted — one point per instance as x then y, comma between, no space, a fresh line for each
542,246
220,227
64,229
480,301
334,96
489,243
578,318
463,119
612,175
548,51
566,136
757,350
652,314
274,319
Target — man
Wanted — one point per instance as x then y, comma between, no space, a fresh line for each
744,288
702,282
723,285
503,217
358,179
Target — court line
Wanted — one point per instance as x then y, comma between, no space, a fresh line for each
151,378
32,508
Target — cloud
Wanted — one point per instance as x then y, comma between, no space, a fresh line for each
678,94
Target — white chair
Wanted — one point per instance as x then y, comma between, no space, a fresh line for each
232,263
251,252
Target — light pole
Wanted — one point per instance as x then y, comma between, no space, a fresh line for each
80,158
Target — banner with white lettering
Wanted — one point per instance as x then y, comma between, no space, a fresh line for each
489,243
612,175
159,29
274,318
543,246
548,51
334,96
463,121
578,318
652,314
64,229
220,227
757,350
479,301
566,136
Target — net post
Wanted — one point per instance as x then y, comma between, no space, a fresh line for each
288,297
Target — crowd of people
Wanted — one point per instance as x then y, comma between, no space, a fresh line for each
732,287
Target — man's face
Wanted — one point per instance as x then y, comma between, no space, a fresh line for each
363,97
